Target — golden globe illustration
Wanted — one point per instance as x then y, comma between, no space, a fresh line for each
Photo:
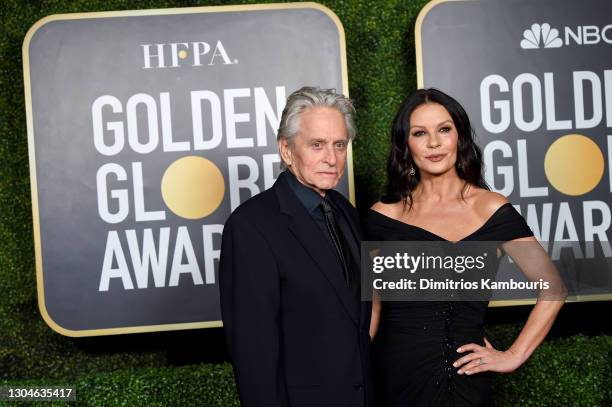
192,187
574,164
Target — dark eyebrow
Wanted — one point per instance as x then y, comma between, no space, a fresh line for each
438,125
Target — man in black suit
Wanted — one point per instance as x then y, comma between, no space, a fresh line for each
296,329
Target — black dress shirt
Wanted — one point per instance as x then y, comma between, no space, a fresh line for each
312,202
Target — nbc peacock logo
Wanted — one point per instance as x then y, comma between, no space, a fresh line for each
541,36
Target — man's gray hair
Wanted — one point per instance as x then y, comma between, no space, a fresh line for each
307,97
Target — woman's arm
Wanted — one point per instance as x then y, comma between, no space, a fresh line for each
375,319
535,264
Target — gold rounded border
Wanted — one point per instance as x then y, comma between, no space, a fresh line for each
532,301
32,153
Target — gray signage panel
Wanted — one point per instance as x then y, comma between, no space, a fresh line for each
146,129
536,80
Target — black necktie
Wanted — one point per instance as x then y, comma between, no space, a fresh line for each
335,235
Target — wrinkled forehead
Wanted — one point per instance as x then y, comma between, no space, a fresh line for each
322,123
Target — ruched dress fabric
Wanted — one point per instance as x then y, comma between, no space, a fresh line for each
416,343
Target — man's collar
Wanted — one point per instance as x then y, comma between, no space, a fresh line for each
307,196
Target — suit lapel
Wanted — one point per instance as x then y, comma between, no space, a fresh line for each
341,203
354,235
306,231
349,227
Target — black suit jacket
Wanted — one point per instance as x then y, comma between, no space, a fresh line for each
296,335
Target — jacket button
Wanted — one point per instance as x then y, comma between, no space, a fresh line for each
358,386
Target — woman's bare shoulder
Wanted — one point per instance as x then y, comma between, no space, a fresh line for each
392,210
488,202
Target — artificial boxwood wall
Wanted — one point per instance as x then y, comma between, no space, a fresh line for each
147,369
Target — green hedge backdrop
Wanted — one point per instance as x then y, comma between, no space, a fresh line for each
189,368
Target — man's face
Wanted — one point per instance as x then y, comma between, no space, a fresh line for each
317,155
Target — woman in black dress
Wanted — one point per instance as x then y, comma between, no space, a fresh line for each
435,353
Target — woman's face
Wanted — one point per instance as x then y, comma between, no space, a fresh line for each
432,139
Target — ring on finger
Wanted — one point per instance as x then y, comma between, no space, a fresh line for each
480,361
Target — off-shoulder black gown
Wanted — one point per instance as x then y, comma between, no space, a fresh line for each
416,342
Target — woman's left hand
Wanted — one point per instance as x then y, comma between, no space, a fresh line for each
486,358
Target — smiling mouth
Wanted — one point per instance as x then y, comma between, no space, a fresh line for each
435,158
